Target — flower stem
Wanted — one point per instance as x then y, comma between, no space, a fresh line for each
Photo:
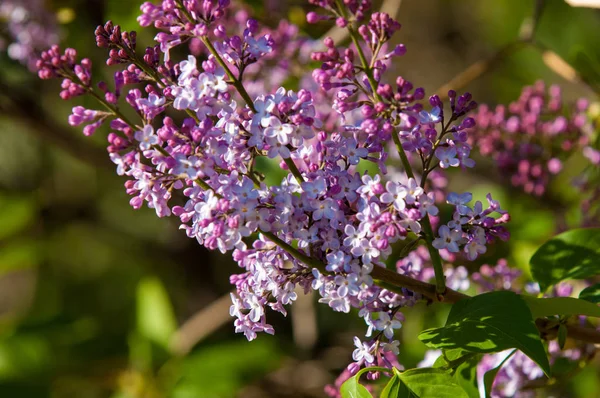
403,157
361,55
234,80
436,260
113,109
297,254
294,170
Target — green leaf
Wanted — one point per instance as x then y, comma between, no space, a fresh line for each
541,307
155,317
562,335
465,372
573,254
490,322
587,68
466,376
222,370
394,388
432,382
353,389
591,293
490,375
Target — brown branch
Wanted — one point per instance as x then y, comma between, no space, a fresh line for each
588,335
562,68
395,282
478,68
200,325
549,330
392,280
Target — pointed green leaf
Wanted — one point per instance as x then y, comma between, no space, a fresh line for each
573,254
562,335
155,317
465,372
591,293
432,382
490,322
541,307
466,376
353,389
393,389
490,375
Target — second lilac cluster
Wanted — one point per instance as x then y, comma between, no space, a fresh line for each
530,138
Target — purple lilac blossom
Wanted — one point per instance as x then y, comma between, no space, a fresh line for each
530,138
346,222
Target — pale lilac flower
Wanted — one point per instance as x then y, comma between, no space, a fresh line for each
186,165
431,117
362,351
448,239
315,188
395,195
413,191
474,249
447,157
370,185
392,346
281,132
353,152
387,325
188,69
146,137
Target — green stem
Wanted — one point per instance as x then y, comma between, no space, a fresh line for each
294,170
298,255
206,187
234,80
361,55
161,150
436,260
251,176
402,154
111,108
185,11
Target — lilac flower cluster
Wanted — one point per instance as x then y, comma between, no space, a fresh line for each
499,277
326,226
530,138
471,228
27,27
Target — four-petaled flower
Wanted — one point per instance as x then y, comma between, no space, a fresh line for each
146,137
448,239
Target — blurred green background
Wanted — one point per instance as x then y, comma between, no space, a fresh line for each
100,300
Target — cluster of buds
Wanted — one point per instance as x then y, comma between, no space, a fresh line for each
530,138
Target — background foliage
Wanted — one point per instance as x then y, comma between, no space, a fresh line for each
99,300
